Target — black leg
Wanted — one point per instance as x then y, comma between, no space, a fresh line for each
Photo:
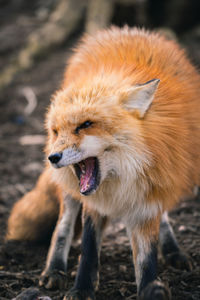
87,275
144,240
171,252
149,288
148,268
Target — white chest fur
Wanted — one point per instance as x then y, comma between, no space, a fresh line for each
125,201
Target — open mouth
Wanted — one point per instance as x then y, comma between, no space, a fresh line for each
88,173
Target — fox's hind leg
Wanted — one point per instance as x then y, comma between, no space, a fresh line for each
34,216
170,249
54,275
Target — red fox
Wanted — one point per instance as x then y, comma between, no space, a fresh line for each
123,140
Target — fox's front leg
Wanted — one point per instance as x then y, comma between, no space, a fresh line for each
144,241
87,277
53,275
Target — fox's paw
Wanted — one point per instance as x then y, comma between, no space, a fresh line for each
179,260
75,294
53,280
156,291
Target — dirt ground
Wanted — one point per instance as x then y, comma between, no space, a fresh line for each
20,165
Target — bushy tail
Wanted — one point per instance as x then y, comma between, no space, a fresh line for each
34,216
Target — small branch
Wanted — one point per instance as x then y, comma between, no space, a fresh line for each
27,140
31,98
17,275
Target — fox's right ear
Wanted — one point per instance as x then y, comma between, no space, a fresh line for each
141,96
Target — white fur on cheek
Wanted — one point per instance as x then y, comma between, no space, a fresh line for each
92,146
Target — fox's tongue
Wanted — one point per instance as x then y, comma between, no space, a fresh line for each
87,174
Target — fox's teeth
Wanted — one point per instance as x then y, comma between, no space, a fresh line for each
83,168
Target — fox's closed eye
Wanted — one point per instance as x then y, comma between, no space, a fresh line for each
84,125
55,131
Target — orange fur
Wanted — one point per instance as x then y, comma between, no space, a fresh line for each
101,70
149,231
96,85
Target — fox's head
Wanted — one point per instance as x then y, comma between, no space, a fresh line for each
96,131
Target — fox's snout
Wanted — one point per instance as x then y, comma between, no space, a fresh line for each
65,158
55,157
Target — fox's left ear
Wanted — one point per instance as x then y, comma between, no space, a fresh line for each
141,96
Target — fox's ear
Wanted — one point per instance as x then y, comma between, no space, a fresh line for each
141,96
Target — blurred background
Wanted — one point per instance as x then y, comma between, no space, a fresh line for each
32,29
36,39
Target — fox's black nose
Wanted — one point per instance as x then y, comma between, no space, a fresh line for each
55,157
